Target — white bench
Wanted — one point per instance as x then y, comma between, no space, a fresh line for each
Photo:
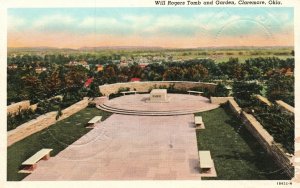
128,92
31,163
195,92
91,123
205,161
199,122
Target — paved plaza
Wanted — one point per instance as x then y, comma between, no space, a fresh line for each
177,104
128,148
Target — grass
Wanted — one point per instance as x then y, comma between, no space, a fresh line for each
58,137
236,153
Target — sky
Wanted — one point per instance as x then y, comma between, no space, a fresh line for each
161,27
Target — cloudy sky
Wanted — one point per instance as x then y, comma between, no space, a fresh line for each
164,27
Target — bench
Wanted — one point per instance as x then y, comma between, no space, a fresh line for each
128,92
205,161
195,92
93,121
199,122
31,163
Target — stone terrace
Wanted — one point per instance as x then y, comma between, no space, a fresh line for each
128,148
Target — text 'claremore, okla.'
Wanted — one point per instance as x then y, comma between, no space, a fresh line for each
218,2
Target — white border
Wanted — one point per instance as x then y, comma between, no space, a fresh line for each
121,3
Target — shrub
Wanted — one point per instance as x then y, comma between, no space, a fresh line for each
244,90
280,125
16,119
91,104
121,89
281,87
221,91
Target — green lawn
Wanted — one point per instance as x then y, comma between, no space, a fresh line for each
58,137
236,153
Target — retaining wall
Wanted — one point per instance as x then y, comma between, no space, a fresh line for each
285,107
219,100
42,122
264,138
263,100
14,108
234,107
145,86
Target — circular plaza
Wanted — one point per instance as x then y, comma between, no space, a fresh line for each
140,104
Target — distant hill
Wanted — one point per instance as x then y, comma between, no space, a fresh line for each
99,48
245,47
39,48
121,48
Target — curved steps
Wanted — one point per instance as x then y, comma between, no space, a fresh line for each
145,113
151,111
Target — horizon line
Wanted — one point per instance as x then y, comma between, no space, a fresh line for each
138,46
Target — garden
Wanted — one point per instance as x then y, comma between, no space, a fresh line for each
58,137
236,153
43,106
278,124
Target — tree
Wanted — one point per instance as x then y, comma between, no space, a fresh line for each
52,83
109,75
173,74
221,91
135,71
281,87
33,87
233,69
244,90
75,77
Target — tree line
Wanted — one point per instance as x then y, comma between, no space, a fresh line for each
25,83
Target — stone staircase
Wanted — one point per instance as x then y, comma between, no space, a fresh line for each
144,112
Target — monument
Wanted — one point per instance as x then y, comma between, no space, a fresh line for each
158,95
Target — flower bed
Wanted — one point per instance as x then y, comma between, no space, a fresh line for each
280,125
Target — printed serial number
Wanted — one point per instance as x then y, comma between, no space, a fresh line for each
284,183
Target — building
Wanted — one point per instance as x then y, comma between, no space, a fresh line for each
40,69
77,63
135,80
88,82
12,66
99,68
143,65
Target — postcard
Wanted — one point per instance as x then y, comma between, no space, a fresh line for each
154,93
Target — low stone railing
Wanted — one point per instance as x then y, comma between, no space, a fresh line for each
219,100
108,89
284,160
42,122
285,107
14,108
263,100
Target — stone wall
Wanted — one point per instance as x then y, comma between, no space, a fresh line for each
285,107
100,100
264,138
33,107
219,100
145,86
263,100
234,107
42,122
14,108
267,141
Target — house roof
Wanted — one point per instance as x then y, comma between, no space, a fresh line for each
88,82
135,79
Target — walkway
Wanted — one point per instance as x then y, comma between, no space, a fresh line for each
128,148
